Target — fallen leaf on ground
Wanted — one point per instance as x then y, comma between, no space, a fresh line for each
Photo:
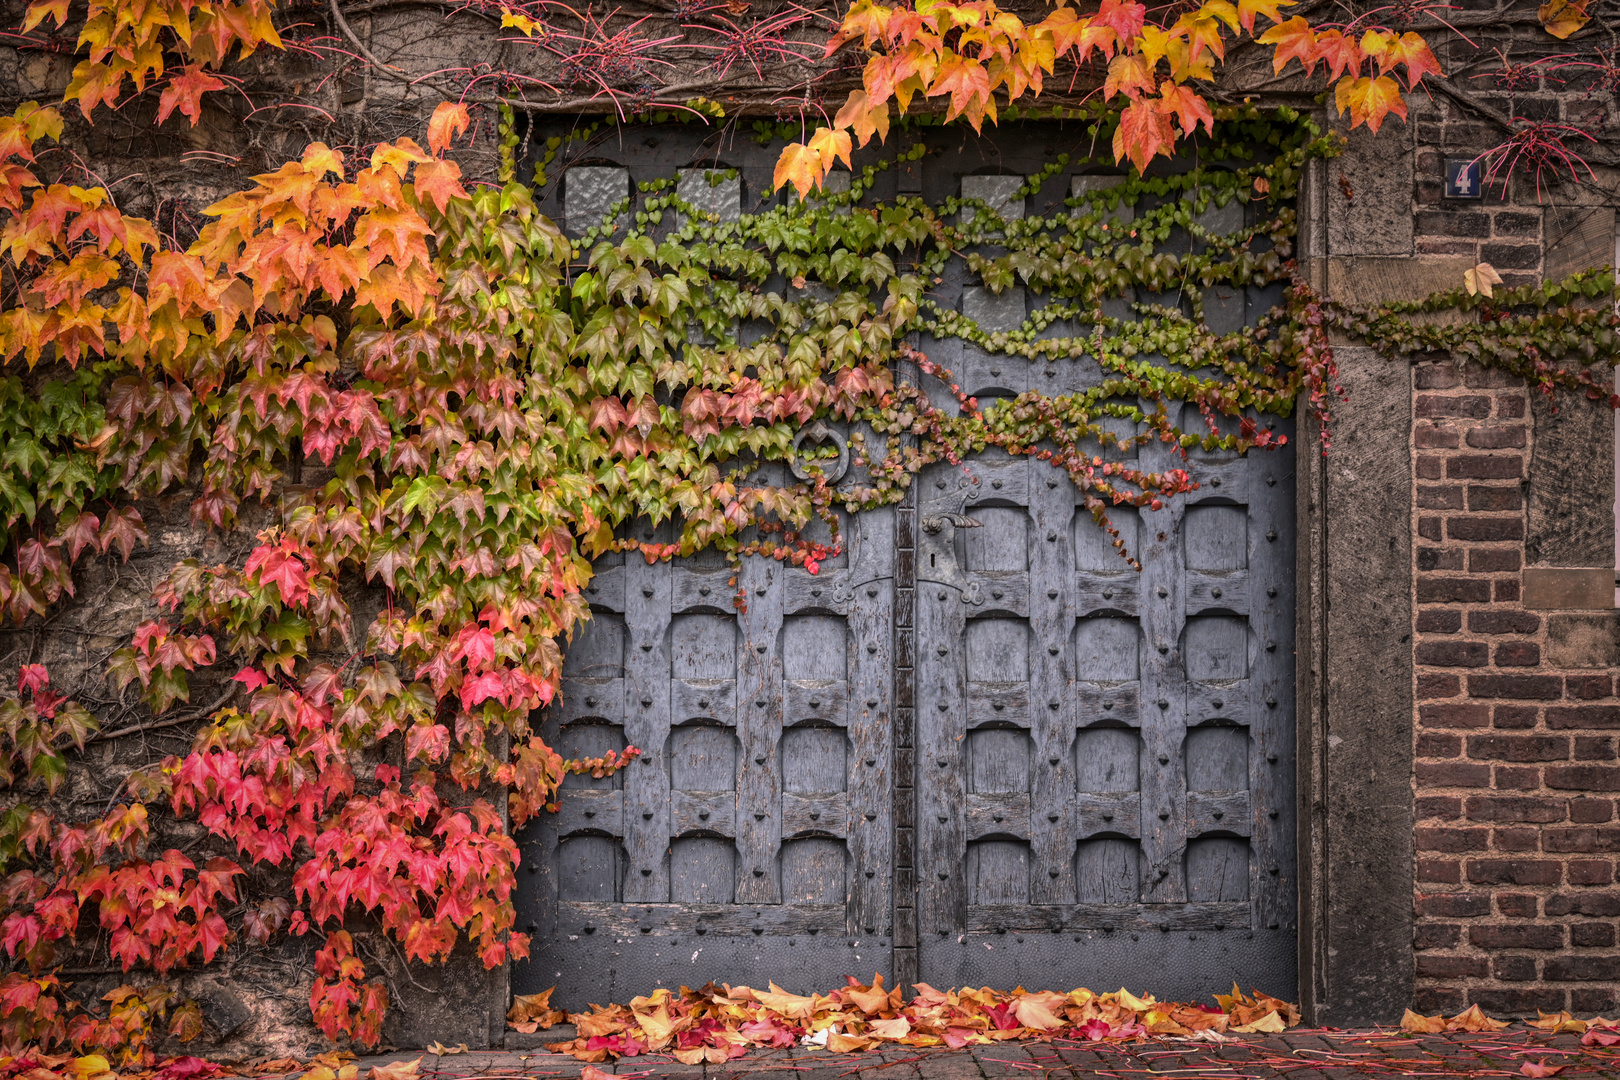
533,1012
1269,1024
1538,1069
441,1049
1473,1019
1559,1023
395,1070
591,1072
1422,1025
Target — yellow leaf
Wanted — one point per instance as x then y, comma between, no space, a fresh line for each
1134,1003
780,1001
1479,281
395,1070
441,1049
527,26
1563,17
1269,1024
844,1044
897,1028
1422,1025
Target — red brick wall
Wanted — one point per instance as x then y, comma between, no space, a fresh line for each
1516,770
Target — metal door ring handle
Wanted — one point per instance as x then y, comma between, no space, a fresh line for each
820,433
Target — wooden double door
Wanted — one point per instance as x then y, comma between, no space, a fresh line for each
976,748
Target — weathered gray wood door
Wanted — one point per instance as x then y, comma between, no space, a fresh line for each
978,755
1104,757
752,839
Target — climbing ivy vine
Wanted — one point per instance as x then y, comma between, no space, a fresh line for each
477,406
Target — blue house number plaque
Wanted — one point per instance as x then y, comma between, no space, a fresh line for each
1462,179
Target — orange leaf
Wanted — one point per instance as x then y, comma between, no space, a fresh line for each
800,166
1143,132
1369,100
1189,108
1475,1020
186,90
449,120
1423,1025
1248,9
1409,49
1295,40
1541,1069
440,181
863,119
1563,17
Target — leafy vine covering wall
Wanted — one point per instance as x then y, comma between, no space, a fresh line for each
440,393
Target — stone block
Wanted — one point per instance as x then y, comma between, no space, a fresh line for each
1370,211
1571,490
589,192
992,311
1584,641
999,193
708,193
1568,588
1379,280
1577,238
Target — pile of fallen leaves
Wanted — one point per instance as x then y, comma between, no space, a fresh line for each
717,1023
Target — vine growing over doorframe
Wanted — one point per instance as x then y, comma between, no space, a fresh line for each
478,404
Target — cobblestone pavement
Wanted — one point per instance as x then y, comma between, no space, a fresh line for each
1301,1054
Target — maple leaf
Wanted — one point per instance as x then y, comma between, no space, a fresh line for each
185,92
449,120
1540,1069
968,83
863,118
395,1070
1143,133
1369,100
1561,18
1129,75
1295,40
283,566
1189,108
440,181
1340,51
1411,50
1248,9
1480,278
800,166
1473,1019
37,11
1123,17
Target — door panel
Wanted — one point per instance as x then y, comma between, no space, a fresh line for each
752,840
